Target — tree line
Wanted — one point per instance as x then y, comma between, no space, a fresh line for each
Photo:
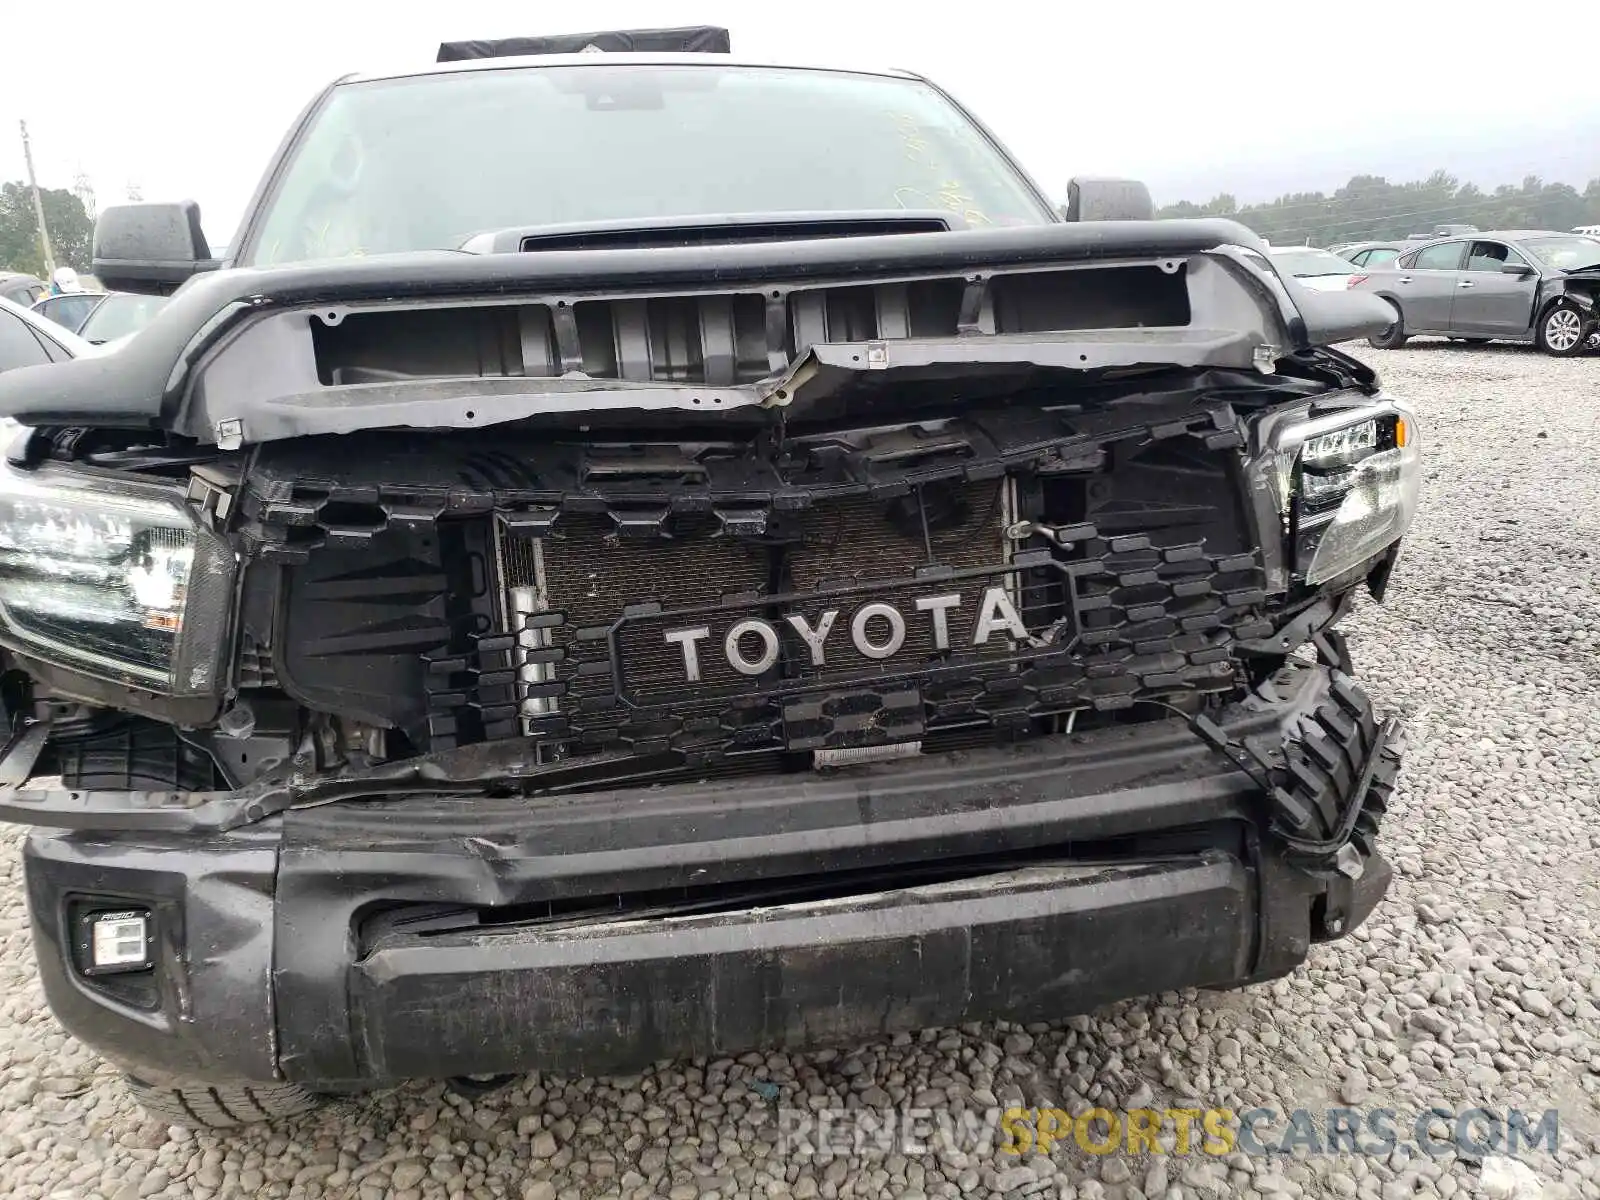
71,231
1369,206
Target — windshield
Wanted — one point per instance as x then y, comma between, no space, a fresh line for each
425,162
119,315
1565,253
1309,263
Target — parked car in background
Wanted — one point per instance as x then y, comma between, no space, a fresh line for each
1370,254
1538,286
1320,269
119,315
100,317
27,340
69,309
1588,230
20,288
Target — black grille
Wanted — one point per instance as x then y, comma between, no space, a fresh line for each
1110,619
461,608
859,541
590,573
619,596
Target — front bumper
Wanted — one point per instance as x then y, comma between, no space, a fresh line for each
360,943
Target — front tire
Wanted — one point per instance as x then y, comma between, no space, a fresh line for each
222,1106
1393,337
1561,332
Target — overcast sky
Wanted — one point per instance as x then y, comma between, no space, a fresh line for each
186,99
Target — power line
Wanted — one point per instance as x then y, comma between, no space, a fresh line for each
1412,186
1431,215
1424,216
83,189
1454,203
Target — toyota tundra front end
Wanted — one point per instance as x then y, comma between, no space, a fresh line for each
443,645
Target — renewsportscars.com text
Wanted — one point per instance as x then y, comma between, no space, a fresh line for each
1437,1131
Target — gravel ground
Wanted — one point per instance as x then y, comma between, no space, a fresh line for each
1477,983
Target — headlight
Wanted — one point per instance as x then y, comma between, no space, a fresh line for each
113,578
1346,485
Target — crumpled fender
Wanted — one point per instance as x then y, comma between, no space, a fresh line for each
1579,292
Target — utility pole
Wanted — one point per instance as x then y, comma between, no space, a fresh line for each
38,206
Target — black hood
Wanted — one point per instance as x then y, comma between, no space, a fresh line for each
146,381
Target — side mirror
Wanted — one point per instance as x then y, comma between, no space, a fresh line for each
150,248
1104,199
1522,269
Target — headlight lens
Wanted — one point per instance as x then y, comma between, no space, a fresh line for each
1342,445
112,578
1348,490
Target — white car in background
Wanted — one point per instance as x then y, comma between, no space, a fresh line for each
1322,270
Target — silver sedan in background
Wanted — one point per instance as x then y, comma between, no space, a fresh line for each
1533,286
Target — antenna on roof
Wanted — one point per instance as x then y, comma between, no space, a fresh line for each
692,39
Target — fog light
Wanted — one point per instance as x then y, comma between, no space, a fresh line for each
117,941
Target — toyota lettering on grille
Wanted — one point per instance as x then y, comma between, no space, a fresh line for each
877,630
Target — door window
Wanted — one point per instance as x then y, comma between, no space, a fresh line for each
1446,256
1491,256
69,311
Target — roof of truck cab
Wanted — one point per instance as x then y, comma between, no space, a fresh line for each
631,59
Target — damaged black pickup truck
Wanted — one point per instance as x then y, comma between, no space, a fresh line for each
508,618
